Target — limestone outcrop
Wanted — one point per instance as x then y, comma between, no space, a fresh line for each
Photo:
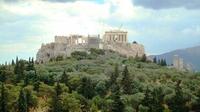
126,49
64,46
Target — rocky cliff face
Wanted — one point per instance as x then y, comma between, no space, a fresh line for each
52,50
48,51
126,49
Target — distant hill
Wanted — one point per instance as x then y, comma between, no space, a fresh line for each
189,55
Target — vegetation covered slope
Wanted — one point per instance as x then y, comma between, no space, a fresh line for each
98,81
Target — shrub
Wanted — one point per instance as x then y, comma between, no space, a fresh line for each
97,51
79,55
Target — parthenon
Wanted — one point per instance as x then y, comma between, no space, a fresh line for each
115,36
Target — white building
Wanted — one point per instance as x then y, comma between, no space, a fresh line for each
178,62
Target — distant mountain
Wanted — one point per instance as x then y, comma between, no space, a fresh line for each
189,55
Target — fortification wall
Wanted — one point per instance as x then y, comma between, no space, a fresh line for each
64,46
48,51
127,49
52,50
61,39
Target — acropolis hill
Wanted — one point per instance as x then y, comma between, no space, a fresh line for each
112,40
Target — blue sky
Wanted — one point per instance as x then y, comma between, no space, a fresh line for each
160,25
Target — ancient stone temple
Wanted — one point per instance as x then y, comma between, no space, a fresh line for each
112,40
115,36
117,40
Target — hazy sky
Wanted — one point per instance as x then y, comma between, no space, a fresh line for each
160,25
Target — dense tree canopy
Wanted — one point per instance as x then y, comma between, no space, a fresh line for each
97,81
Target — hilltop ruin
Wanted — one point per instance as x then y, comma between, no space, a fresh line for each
112,40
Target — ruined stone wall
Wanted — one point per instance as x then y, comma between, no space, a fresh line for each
127,49
52,50
93,42
61,39
64,46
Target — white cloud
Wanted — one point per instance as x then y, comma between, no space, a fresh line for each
88,17
64,18
195,31
29,44
74,17
54,19
124,9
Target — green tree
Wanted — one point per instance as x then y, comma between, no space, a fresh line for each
162,62
101,88
79,55
144,58
13,62
94,51
132,102
85,107
74,83
126,81
22,102
70,103
32,61
3,77
86,88
36,86
117,105
26,80
59,58
65,78
56,104
30,65
31,99
30,77
19,70
3,99
155,59
157,101
178,101
196,106
159,62
58,89
100,103
148,99
16,70
114,76
17,60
